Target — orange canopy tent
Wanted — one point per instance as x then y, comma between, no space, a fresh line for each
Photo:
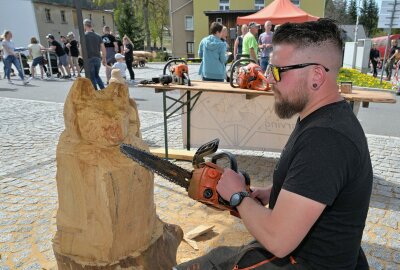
278,12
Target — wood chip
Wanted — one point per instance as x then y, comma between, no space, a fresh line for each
199,230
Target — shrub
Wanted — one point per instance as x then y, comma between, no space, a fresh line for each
361,79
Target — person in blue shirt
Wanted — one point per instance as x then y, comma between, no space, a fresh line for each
212,52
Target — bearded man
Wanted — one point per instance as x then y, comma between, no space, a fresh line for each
319,199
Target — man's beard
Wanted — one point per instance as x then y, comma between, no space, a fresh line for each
284,108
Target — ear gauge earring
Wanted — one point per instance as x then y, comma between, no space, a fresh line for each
315,85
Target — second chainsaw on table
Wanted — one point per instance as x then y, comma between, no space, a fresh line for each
178,73
201,183
247,74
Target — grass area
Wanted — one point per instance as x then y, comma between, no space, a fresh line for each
361,79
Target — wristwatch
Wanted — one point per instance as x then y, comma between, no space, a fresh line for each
237,198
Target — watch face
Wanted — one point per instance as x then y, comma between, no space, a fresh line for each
235,199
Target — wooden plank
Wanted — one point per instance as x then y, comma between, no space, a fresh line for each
222,87
179,154
199,230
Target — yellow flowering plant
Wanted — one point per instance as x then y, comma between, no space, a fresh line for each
361,79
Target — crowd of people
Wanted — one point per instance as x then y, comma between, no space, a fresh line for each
213,49
106,49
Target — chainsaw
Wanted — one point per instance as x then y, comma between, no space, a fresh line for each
201,183
248,76
179,73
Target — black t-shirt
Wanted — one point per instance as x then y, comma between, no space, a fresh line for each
108,40
66,50
374,53
74,48
129,55
93,44
59,49
327,160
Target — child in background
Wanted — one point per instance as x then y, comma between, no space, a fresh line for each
120,64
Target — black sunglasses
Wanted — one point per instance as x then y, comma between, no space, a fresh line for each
276,71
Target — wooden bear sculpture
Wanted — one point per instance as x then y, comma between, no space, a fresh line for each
106,217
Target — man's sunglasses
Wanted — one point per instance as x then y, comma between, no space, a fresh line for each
276,71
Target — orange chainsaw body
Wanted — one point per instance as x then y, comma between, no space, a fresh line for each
179,73
251,77
203,185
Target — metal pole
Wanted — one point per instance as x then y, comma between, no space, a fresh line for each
388,40
82,39
188,109
165,123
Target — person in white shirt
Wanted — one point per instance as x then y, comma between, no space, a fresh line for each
35,51
120,64
11,57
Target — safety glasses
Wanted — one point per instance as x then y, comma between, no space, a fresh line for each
276,71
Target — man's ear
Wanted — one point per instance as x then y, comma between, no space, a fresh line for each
318,77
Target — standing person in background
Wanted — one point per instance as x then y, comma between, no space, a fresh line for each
250,44
94,45
56,47
394,50
224,36
374,57
119,43
1,53
128,51
11,57
35,52
237,46
65,42
73,46
265,45
111,45
212,52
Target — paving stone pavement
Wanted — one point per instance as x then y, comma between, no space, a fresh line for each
29,132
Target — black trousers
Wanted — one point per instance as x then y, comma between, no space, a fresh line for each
374,64
130,68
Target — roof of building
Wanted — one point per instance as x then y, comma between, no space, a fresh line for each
86,4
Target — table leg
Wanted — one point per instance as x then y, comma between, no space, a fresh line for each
165,124
188,109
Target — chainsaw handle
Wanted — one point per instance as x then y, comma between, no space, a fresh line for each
238,63
173,61
230,156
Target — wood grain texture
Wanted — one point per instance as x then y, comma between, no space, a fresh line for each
106,204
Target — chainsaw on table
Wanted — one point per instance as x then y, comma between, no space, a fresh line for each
178,73
201,183
247,74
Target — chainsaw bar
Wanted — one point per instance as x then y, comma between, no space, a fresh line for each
164,168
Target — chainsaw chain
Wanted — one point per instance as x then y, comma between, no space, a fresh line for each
155,159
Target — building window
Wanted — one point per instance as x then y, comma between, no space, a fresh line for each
218,20
296,2
223,4
104,21
189,23
48,15
63,20
259,4
190,47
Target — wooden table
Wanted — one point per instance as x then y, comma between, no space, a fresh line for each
187,100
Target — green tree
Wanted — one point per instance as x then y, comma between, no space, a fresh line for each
128,24
160,20
352,12
337,10
369,17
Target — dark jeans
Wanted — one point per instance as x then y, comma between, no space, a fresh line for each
11,59
94,65
374,64
388,68
212,80
130,69
264,61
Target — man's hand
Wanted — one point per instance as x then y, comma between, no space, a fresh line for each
262,194
230,183
104,62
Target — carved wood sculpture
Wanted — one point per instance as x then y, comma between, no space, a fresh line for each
106,217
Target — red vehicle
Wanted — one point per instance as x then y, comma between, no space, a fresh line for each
382,41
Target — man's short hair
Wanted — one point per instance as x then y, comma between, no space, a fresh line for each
50,36
307,34
215,28
106,28
87,22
